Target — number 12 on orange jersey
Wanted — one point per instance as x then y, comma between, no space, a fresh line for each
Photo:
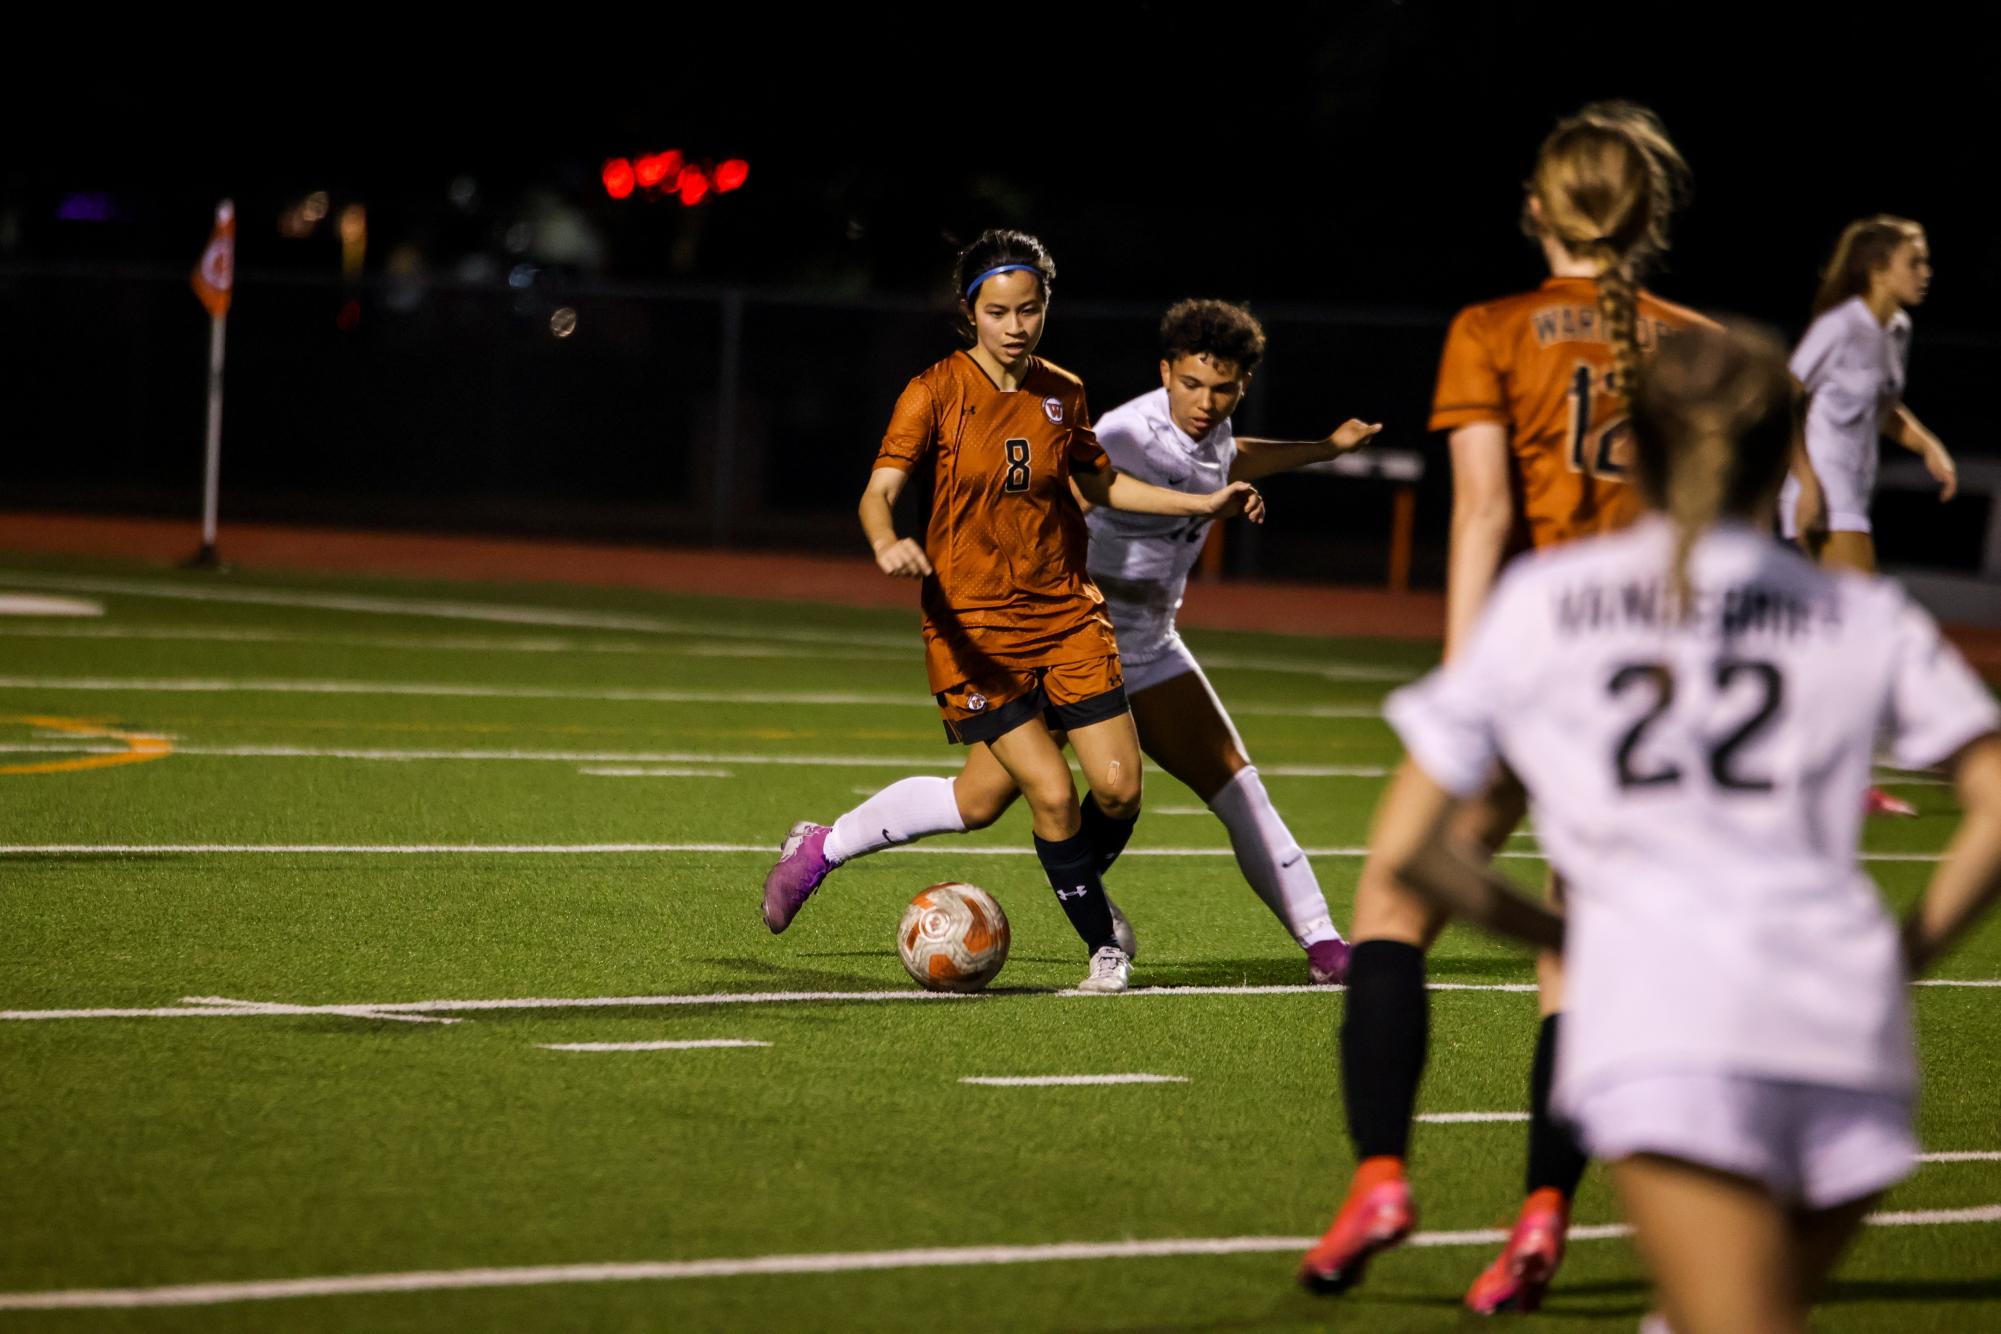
1604,449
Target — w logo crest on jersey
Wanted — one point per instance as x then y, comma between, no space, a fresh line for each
975,702
1053,407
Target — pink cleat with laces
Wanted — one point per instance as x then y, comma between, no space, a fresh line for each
1879,802
802,865
1518,1278
1376,1216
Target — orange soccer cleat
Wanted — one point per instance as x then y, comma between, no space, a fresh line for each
1518,1278
1376,1216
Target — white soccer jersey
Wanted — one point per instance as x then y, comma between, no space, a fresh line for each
1141,561
1699,786
1855,369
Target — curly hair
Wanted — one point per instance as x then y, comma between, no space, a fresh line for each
1220,330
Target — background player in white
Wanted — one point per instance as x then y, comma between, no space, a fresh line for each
1853,361
1177,437
1691,708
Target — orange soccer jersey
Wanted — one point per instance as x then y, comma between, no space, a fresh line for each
1007,539
1540,364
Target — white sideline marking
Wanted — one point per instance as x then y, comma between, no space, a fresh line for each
1049,1081
599,849
628,771
688,1045
1369,711
273,1007
1326,671
448,643
822,1262
183,685
406,755
216,1007
1975,1156
1468,1118
26,604
452,611
241,1009
1177,810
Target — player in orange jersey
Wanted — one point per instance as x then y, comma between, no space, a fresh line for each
1016,640
1532,390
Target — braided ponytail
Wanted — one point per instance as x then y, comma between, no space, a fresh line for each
1605,183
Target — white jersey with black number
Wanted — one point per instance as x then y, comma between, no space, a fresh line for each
1854,368
1141,561
1699,786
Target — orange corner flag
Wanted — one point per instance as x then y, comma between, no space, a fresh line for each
216,274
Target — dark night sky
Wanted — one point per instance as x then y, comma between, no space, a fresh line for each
1366,153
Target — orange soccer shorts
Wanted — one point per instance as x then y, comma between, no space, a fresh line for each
1064,695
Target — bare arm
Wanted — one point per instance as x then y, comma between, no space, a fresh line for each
1810,516
1109,486
1968,881
1903,426
1261,458
900,556
1483,514
1410,835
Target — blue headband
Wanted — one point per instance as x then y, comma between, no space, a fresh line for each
974,286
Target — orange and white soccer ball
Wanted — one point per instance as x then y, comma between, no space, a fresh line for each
954,937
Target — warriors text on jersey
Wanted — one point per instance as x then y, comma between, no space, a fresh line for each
1141,561
1007,539
1540,363
1698,782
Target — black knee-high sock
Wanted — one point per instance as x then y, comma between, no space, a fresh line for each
1108,835
1384,1031
1555,1160
1072,868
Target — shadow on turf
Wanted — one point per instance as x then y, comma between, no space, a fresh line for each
1913,1290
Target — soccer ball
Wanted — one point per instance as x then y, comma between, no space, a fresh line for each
954,938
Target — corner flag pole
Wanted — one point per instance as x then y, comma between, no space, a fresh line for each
214,279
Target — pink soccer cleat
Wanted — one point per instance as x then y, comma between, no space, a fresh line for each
802,865
1327,962
1376,1216
1518,1278
1879,802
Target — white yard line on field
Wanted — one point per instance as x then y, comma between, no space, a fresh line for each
498,613
1961,1156
692,1044
184,685
453,643
1468,1118
217,1007
628,771
821,1262
1066,1081
603,849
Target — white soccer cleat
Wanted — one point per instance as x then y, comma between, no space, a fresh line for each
1110,971
1122,931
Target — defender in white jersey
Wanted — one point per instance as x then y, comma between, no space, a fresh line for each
1854,361
1692,708
1177,438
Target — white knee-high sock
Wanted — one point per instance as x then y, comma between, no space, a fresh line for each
910,808
1271,859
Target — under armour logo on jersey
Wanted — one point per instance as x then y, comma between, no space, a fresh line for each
1054,407
975,702
1076,893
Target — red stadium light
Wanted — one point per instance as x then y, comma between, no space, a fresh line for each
731,174
694,186
618,178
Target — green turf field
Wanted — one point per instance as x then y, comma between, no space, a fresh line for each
381,794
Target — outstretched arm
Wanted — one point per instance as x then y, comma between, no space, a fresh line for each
1261,458
1121,491
1968,881
900,556
1903,426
